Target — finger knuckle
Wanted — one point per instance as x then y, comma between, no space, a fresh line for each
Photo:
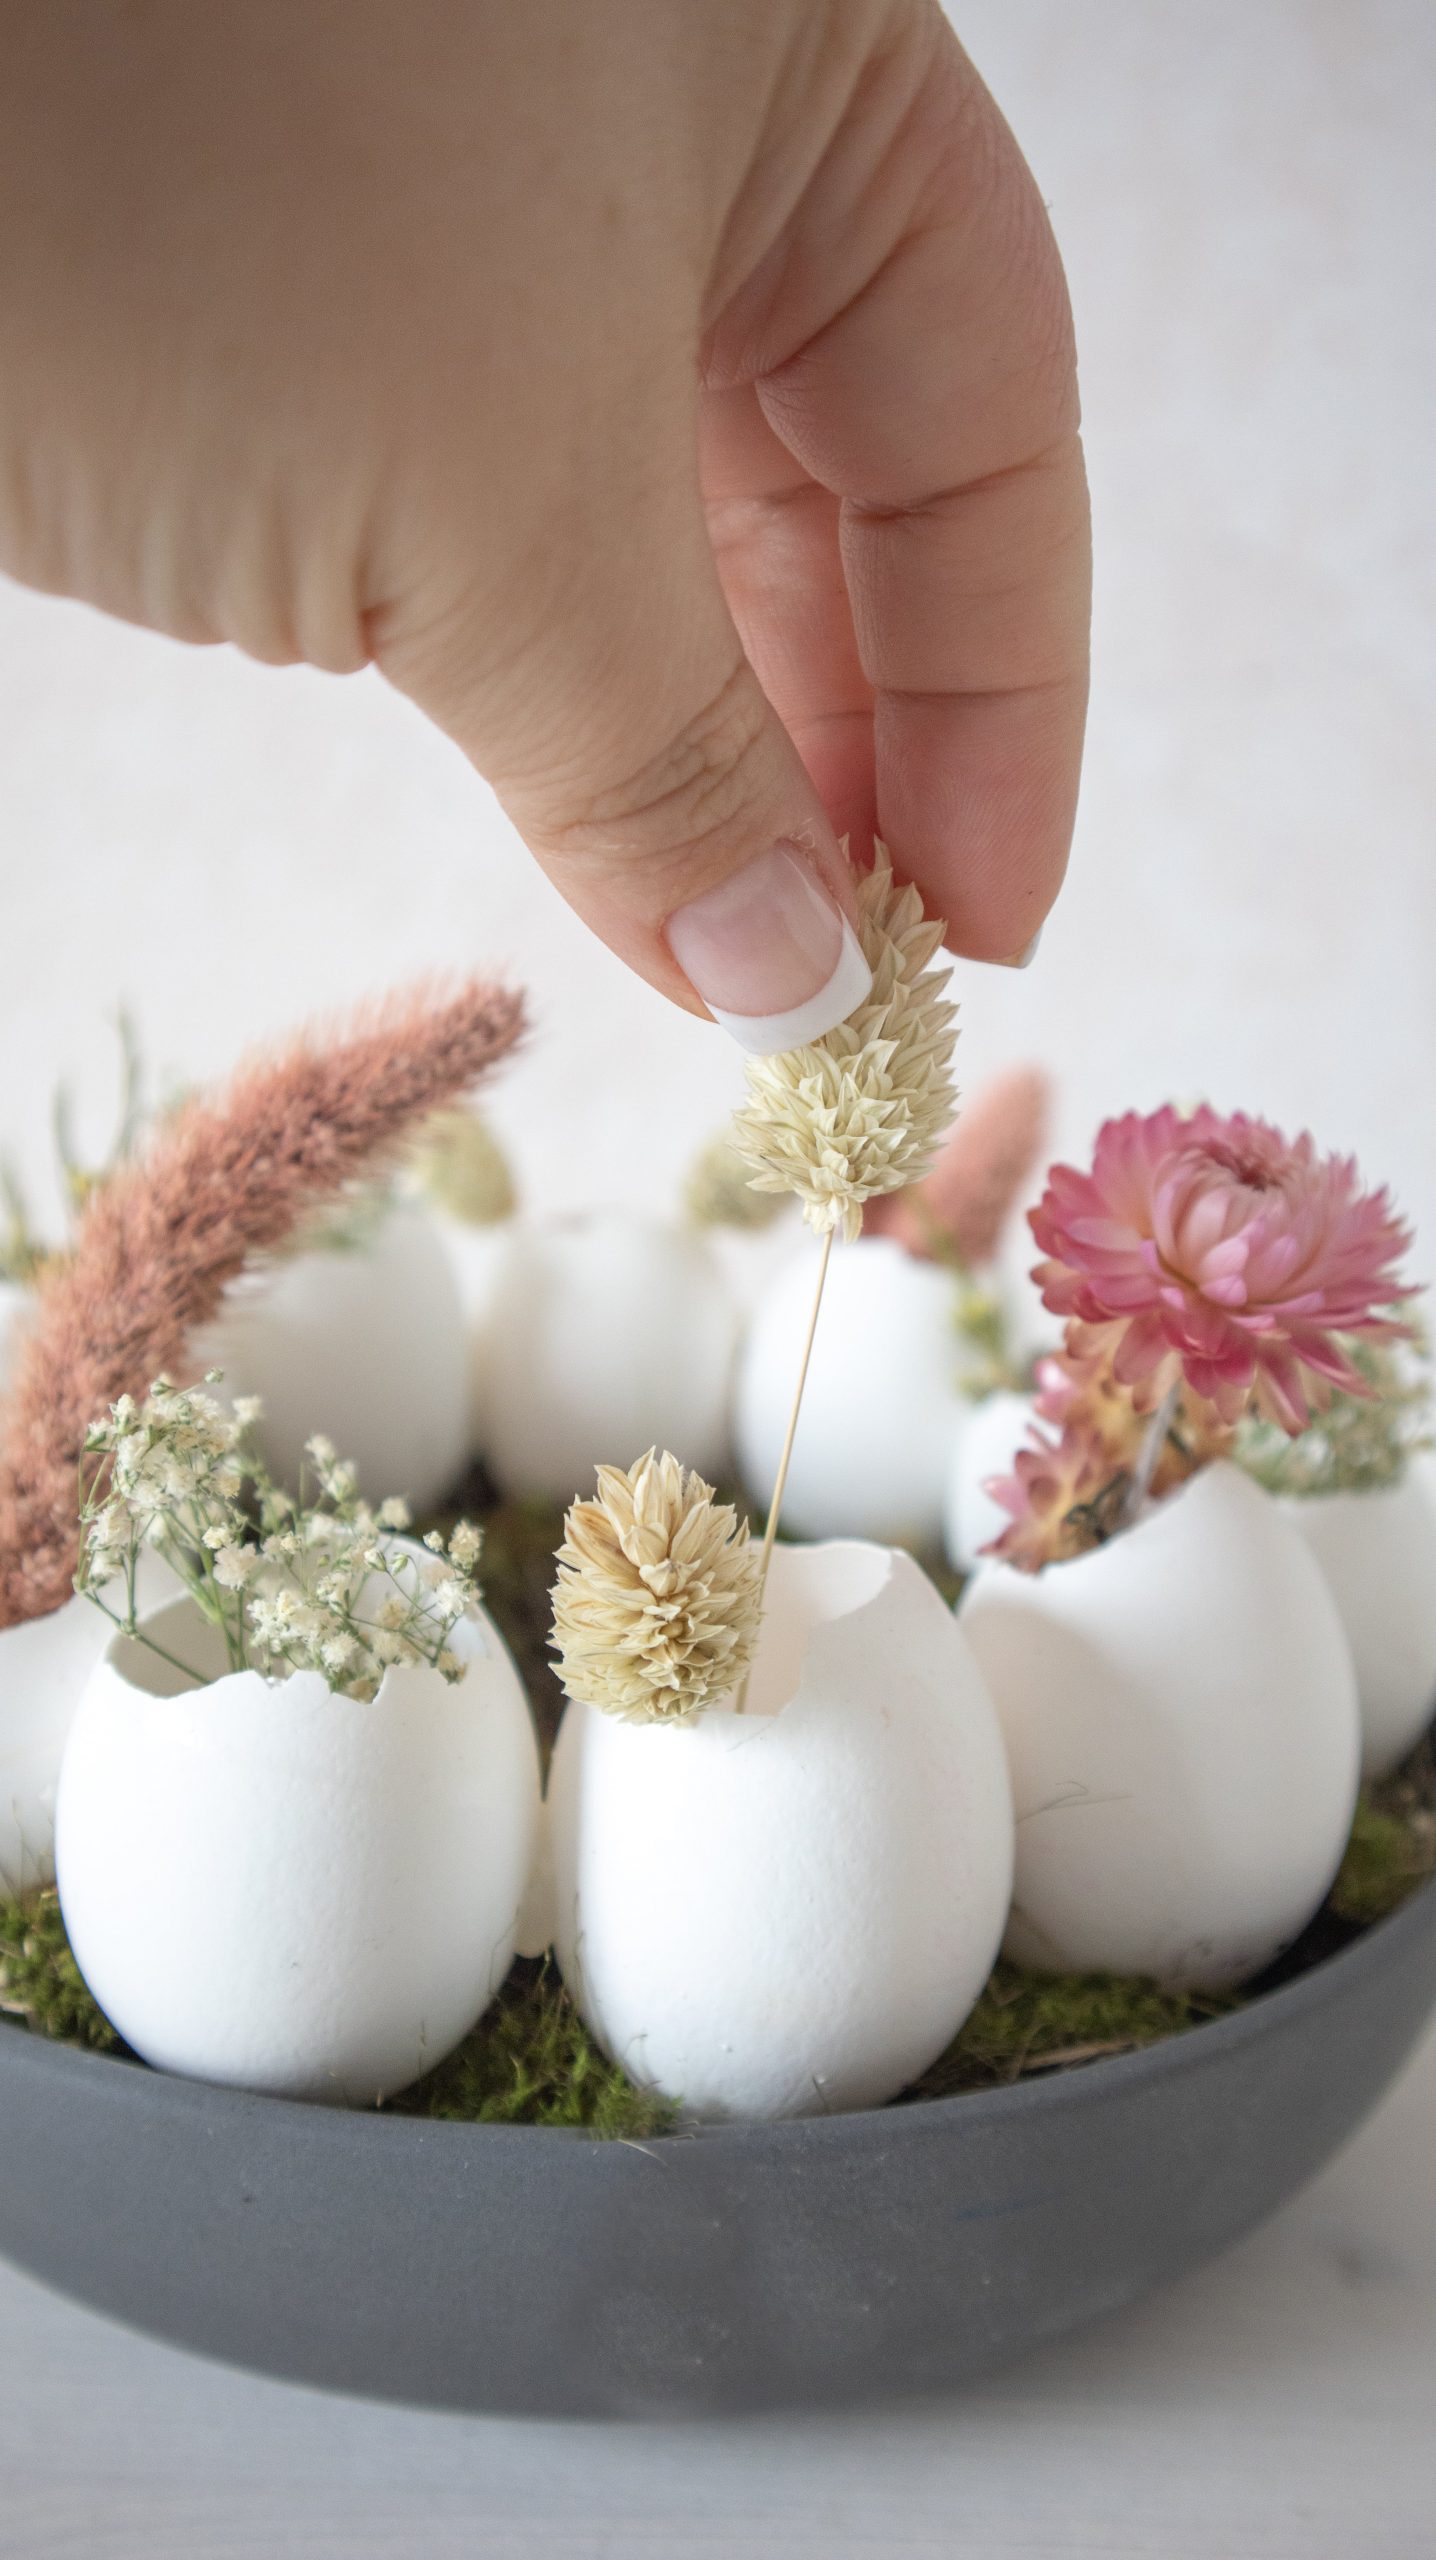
698,782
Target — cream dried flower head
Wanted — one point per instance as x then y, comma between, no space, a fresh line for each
859,1112
461,1165
657,1602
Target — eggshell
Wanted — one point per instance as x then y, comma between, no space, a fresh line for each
477,1257
366,1343
1180,1715
791,1911
44,1666
280,1889
15,1304
1378,1553
987,1444
606,1335
881,1409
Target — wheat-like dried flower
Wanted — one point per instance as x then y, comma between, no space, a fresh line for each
720,1190
860,1112
658,1597
464,1170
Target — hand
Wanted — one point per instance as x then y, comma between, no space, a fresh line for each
676,400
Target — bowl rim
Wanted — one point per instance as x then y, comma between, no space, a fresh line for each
1190,2050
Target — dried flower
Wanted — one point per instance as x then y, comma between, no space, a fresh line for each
657,1602
860,1111
958,1212
1357,1444
1064,1496
1219,1253
161,1241
311,1586
720,1190
464,1170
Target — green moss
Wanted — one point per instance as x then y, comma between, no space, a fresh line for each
1030,2022
40,1981
532,2061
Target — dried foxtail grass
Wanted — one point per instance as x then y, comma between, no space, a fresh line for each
657,1603
720,1190
860,1112
161,1241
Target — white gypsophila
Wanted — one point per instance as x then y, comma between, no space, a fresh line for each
860,1112
290,1585
659,1591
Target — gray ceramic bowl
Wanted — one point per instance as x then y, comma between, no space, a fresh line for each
798,2265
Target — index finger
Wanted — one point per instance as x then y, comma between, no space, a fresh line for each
940,403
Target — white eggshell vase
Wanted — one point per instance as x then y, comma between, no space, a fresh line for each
605,1335
986,1446
366,1342
16,1302
44,1666
791,1911
277,1888
1378,1552
881,1411
1179,1709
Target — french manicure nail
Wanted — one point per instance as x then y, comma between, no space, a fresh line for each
771,953
1025,958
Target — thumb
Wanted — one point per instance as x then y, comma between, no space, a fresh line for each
635,750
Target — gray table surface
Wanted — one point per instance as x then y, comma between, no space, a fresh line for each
1278,2406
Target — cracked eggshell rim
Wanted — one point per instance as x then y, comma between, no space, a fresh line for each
791,1911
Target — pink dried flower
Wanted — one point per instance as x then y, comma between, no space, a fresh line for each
960,1208
1058,1494
1217,1253
160,1242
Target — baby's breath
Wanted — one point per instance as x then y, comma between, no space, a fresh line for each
320,1585
859,1112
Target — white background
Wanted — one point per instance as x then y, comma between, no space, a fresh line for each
1246,194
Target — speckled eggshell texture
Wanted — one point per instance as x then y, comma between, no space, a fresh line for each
791,1911
606,1335
987,1445
881,1411
1179,1709
1377,1550
276,1888
367,1343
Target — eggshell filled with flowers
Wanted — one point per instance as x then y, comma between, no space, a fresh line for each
881,1415
984,1448
44,1666
1377,1550
605,1332
1179,1710
278,1887
790,1911
364,1341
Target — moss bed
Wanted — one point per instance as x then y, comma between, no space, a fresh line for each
530,2060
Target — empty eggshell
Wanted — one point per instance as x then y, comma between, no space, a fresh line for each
605,1335
992,1433
1179,1709
366,1343
1377,1550
277,1888
791,1911
15,1304
881,1410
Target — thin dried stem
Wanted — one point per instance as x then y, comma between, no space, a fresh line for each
780,1481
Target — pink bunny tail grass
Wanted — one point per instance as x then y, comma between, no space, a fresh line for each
961,1208
158,1246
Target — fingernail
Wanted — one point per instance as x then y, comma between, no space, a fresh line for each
771,953
1024,959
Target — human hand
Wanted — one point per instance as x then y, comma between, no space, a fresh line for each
678,402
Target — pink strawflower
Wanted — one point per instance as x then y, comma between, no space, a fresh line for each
1217,1253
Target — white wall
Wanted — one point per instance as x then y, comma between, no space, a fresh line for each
1246,194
